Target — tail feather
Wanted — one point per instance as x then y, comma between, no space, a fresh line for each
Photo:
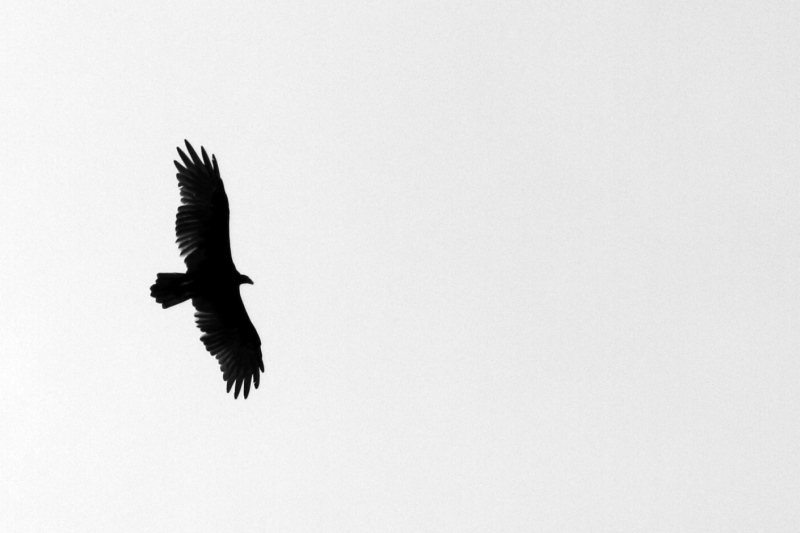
171,289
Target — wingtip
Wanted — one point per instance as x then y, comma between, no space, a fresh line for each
195,159
206,162
247,386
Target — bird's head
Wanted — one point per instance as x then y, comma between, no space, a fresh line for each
244,279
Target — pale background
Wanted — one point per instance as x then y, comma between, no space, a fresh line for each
519,266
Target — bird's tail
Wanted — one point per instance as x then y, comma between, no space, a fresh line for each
171,289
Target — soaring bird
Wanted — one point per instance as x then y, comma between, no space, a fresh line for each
211,280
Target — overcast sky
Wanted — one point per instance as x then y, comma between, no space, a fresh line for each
519,266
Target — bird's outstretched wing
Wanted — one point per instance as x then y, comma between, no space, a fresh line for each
202,224
230,336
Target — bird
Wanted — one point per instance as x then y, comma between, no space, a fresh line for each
211,280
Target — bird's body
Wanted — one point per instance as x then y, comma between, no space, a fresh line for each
211,280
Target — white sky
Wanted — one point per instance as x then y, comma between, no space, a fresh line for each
521,266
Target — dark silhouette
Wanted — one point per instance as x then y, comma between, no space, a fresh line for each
211,279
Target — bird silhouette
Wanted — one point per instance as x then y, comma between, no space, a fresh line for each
211,280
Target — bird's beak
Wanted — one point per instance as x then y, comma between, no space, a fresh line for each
248,280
